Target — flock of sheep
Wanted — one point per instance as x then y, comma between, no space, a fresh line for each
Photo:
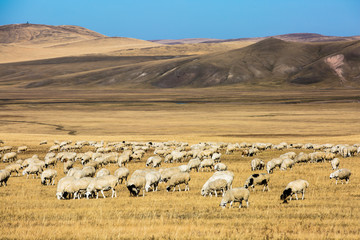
92,178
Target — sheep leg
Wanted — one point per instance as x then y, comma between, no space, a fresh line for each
174,189
179,188
347,181
240,204
303,194
102,192
97,195
335,181
247,203
296,196
231,203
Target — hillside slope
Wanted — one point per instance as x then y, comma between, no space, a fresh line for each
271,62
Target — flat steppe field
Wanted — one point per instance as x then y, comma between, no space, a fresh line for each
29,210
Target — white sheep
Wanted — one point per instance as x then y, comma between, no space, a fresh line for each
235,195
68,165
167,173
177,179
216,157
287,163
15,167
335,163
78,186
122,173
194,164
226,175
48,174
102,172
215,186
258,179
22,149
32,169
43,142
4,177
102,184
62,184
88,171
294,187
273,163
342,174
220,167
10,157
156,162
135,184
207,163
50,162
152,180
257,164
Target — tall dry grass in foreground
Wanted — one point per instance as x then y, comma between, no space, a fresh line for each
29,210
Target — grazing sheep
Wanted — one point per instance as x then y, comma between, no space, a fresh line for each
302,158
290,155
194,164
85,159
50,162
177,179
207,163
235,195
122,173
226,175
54,148
257,164
4,177
184,168
67,166
342,174
74,171
135,184
43,142
167,173
102,172
62,184
48,174
9,157
294,187
22,149
123,159
152,180
272,164
215,186
88,171
102,184
78,186
220,167
156,162
92,164
15,167
32,169
329,156
258,179
216,157
168,158
287,163
335,163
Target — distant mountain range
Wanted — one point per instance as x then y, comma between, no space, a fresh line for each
292,37
75,57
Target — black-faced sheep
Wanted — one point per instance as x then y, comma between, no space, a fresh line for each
294,187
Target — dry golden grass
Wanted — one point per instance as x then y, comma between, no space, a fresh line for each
30,211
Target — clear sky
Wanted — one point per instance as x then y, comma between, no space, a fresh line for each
175,19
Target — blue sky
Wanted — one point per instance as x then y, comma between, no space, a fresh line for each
175,19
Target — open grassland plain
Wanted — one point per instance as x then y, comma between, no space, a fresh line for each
29,210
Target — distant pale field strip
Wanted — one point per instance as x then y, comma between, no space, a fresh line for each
323,123
31,211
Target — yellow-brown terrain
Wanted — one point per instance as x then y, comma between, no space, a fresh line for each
65,97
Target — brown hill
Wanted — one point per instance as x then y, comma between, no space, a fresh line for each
44,34
26,42
271,62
